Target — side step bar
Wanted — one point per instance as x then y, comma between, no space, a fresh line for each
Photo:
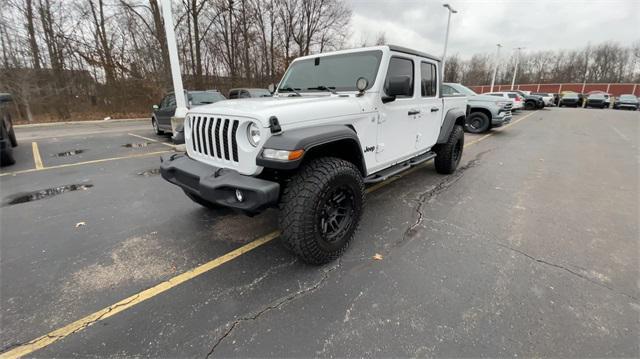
400,167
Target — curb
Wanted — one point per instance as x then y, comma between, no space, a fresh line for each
91,122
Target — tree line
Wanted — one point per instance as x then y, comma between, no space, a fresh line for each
65,59
68,57
608,62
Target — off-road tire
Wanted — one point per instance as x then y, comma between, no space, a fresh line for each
201,201
12,137
6,157
477,122
448,154
156,127
304,209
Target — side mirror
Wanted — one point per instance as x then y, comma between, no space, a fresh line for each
362,84
156,107
398,86
271,88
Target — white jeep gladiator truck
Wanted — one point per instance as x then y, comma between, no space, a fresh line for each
337,122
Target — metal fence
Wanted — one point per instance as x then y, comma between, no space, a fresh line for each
615,89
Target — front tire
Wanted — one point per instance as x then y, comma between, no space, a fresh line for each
530,105
321,208
477,122
448,154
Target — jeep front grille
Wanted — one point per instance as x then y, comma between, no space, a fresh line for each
215,137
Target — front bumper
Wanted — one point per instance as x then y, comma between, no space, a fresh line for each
219,185
501,119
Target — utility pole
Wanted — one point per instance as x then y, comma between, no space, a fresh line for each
178,89
495,69
446,37
515,70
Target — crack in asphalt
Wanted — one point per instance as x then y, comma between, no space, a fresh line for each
61,336
434,191
279,303
476,235
569,270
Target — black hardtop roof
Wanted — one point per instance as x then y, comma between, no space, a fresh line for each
413,52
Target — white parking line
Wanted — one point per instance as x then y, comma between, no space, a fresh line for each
152,140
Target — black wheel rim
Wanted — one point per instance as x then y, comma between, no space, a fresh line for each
475,124
336,214
457,152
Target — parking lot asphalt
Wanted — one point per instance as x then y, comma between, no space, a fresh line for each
529,249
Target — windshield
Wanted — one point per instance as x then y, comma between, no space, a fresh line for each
205,97
337,72
628,97
570,95
597,96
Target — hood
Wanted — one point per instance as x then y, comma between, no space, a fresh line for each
486,98
287,109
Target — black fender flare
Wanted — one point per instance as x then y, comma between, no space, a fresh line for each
450,119
307,139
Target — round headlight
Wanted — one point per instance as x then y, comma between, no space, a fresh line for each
253,134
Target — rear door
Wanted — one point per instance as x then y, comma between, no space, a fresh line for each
429,119
399,120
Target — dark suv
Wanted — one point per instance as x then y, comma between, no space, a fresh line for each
7,134
597,100
248,93
570,99
162,113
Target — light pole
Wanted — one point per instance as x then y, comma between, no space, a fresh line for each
178,90
495,69
515,70
446,37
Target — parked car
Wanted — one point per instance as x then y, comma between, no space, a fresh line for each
607,97
336,122
163,112
248,93
627,101
569,99
596,100
548,98
531,102
517,100
485,112
7,133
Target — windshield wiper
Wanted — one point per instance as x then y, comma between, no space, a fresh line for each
323,88
290,89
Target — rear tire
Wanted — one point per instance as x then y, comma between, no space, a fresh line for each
201,201
448,154
6,157
321,208
477,122
156,128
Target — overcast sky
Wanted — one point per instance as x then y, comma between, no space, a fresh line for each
480,24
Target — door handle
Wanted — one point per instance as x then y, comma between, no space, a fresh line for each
435,109
413,112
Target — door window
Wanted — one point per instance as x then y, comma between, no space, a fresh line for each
447,90
428,79
233,94
171,101
399,67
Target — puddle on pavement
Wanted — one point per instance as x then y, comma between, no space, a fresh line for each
68,153
44,193
150,172
137,145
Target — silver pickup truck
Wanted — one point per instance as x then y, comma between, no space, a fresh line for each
485,112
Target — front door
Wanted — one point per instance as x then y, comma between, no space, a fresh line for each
166,111
399,120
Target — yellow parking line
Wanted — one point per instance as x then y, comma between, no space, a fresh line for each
36,156
135,299
84,163
152,140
